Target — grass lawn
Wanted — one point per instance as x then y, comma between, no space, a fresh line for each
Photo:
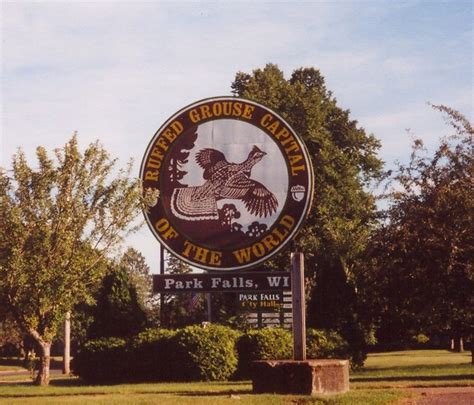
381,382
69,391
415,368
11,364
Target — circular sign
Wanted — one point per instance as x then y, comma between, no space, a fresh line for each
227,182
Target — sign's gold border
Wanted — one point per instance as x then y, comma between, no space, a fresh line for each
301,218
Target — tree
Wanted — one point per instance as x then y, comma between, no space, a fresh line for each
419,276
123,302
345,164
9,334
138,271
59,221
118,312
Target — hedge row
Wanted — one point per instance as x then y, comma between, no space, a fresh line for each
195,353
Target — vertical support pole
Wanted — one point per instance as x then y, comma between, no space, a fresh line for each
282,312
298,299
209,308
162,296
67,344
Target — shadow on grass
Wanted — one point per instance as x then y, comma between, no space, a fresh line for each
16,362
99,391
13,362
415,378
56,364
414,368
77,382
188,393
67,382
185,392
16,384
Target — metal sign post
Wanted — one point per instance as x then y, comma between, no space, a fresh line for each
162,296
299,319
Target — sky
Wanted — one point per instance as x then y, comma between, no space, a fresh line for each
115,71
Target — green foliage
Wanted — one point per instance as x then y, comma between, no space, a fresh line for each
10,336
153,357
326,344
420,339
133,262
263,344
198,353
59,221
149,356
343,156
102,361
118,312
343,214
81,321
123,302
191,354
206,352
151,335
419,269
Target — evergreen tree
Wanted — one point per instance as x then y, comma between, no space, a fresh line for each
117,312
138,271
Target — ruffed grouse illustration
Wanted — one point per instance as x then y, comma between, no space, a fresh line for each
223,180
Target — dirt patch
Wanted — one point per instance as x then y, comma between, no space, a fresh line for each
440,396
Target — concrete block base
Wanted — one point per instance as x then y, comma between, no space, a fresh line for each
309,377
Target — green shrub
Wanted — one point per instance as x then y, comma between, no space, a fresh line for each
204,353
102,361
151,335
152,355
262,344
420,339
190,354
370,337
326,344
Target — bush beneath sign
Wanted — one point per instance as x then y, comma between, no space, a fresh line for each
152,355
263,344
103,361
195,353
205,353
326,344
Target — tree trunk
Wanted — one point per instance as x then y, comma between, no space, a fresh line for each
459,344
452,344
43,374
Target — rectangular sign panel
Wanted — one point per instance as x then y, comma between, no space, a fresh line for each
263,302
205,282
266,309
